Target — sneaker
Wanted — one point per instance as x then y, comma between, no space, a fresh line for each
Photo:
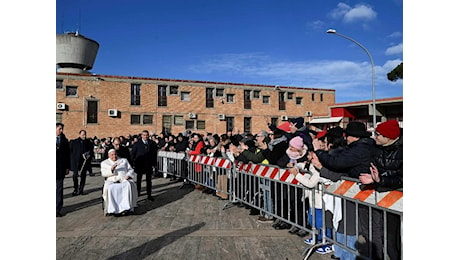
263,219
324,249
309,241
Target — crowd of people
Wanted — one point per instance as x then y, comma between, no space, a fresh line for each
312,156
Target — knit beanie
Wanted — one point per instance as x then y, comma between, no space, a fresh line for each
296,142
389,129
285,126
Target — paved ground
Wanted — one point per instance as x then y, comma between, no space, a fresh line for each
182,223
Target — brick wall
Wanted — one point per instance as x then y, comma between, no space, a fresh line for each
114,92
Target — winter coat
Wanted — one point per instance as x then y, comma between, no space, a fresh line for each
353,160
78,147
275,156
62,157
144,156
389,162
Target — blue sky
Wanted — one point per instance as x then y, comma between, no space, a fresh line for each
275,42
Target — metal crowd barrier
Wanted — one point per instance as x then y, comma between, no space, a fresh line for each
276,193
171,163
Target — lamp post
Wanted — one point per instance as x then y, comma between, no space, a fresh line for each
374,118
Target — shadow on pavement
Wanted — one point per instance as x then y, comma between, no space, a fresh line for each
154,245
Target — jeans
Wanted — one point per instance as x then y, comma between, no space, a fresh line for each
342,253
318,224
268,203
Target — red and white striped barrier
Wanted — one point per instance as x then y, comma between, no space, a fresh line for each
265,171
212,161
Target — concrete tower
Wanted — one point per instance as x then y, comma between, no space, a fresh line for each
75,53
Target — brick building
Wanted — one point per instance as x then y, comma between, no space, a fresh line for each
107,105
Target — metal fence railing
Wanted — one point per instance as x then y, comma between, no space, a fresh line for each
364,223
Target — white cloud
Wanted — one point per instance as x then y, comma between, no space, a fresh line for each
316,25
397,49
391,64
395,35
351,80
359,12
339,12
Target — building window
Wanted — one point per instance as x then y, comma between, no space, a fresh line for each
174,90
219,92
190,124
185,96
71,91
256,94
282,103
200,125
290,95
58,117
321,97
265,99
230,123
135,119
247,99
312,96
59,84
135,94
147,119
178,120
91,113
230,98
209,97
167,123
298,101
162,98
247,125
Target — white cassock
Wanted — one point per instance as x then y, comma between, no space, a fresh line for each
119,194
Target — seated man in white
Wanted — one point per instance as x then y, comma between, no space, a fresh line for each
120,191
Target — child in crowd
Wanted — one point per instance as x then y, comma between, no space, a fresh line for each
310,178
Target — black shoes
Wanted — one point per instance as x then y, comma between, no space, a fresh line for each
83,193
75,193
126,213
150,198
302,233
208,191
58,215
283,225
254,211
294,230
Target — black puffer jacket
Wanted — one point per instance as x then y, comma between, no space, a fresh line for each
389,162
353,160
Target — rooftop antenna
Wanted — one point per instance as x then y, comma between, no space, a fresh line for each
79,21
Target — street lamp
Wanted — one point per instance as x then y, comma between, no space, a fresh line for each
374,119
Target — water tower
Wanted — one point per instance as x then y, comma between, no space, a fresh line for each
75,53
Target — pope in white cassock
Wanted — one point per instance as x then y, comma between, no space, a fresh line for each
120,191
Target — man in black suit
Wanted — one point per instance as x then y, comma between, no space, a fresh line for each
62,165
144,156
81,154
